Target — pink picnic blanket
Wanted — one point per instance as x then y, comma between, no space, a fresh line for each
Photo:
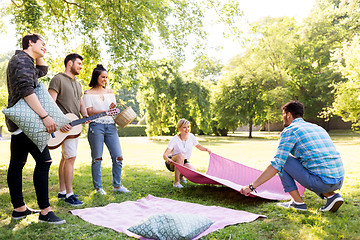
121,216
222,171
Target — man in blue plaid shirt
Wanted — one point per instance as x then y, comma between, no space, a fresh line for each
305,154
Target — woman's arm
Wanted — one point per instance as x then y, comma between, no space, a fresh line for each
91,111
202,148
166,154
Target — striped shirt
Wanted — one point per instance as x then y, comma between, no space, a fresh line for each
313,147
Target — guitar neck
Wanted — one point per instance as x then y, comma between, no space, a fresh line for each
83,120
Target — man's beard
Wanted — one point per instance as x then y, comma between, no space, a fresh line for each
73,71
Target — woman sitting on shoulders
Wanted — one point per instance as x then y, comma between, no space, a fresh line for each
179,150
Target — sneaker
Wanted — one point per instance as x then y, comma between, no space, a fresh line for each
333,203
51,218
183,180
122,189
178,186
63,196
100,191
292,204
73,201
19,215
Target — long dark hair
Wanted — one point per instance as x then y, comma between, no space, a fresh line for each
95,75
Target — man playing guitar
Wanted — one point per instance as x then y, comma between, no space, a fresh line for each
67,93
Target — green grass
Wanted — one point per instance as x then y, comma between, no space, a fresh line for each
144,173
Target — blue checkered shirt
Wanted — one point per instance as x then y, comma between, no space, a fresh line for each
313,147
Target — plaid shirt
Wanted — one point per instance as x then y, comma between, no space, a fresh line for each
313,147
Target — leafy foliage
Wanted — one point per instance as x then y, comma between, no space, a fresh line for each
347,94
255,86
168,96
329,23
123,29
240,98
283,60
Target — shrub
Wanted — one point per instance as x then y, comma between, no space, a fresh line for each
132,130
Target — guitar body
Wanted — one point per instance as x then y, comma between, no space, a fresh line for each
76,129
60,136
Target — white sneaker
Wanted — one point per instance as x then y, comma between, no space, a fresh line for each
178,186
122,189
292,204
183,180
100,191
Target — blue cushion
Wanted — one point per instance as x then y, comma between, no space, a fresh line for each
172,226
30,122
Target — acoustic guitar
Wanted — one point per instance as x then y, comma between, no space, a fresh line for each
59,137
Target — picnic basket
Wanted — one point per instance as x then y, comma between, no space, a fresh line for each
125,117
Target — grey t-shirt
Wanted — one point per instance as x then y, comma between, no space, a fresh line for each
69,93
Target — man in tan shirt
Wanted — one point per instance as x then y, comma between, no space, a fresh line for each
67,93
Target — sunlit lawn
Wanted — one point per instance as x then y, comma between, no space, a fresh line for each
144,173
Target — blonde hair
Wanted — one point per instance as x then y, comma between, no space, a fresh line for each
183,122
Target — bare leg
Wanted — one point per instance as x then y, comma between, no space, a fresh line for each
24,207
329,194
179,158
296,196
61,175
45,210
189,165
66,172
21,209
69,173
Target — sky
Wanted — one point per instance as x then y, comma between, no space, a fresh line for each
253,11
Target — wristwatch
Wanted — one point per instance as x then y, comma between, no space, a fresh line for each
252,188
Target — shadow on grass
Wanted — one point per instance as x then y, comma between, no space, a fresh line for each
141,181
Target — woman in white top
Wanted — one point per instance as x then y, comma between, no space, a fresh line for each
103,130
179,150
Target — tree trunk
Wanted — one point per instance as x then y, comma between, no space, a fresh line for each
250,130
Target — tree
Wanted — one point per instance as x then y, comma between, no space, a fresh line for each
239,97
312,79
207,69
154,97
192,101
347,94
4,59
168,96
128,97
256,84
271,46
123,29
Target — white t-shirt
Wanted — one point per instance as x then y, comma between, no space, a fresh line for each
100,102
185,147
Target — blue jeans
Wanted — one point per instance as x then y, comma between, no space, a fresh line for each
294,170
98,134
